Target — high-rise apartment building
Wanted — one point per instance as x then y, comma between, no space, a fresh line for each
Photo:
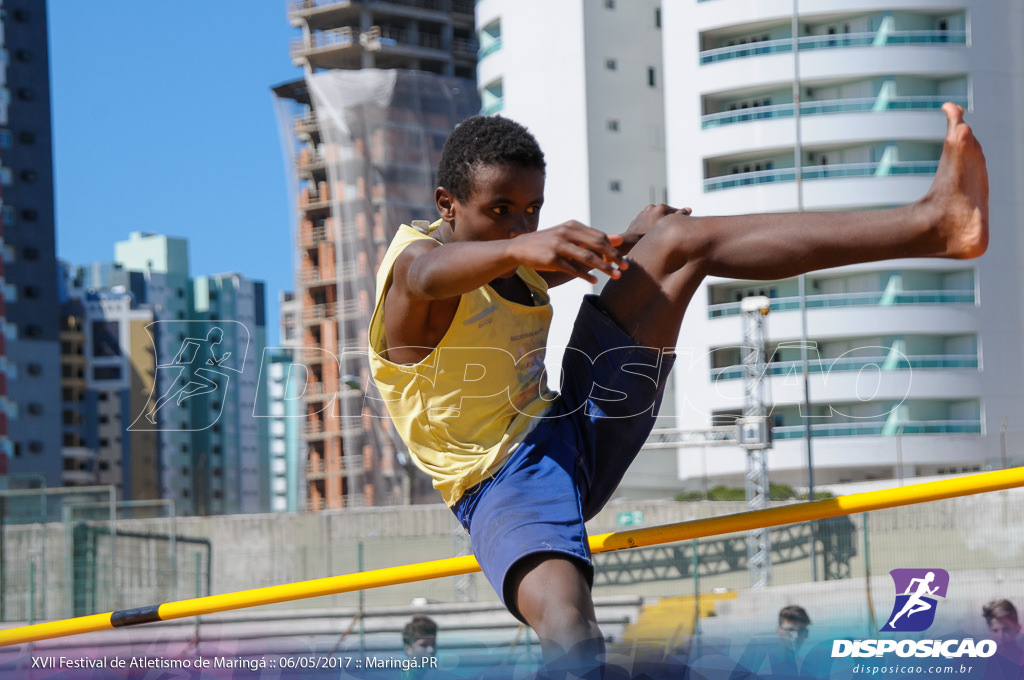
916,368
31,329
385,84
278,376
173,368
107,377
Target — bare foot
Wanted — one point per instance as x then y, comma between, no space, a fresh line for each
959,192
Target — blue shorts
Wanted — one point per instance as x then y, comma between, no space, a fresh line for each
570,464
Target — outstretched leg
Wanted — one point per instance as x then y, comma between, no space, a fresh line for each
676,252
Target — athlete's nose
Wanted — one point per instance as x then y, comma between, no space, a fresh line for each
519,226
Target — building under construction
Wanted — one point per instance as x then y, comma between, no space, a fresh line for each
385,82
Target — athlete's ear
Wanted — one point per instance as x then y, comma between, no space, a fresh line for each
445,204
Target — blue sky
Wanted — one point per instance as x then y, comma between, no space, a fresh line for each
164,121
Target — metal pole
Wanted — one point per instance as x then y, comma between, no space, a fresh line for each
802,282
1002,441
362,604
696,596
867,575
899,454
31,593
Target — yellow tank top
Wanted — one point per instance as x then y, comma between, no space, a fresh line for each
466,405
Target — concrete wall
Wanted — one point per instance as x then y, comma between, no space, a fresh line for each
249,551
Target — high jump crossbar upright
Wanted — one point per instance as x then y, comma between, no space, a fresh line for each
789,514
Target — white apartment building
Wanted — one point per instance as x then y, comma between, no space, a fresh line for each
586,77
918,368
915,369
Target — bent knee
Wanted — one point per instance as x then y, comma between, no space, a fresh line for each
681,239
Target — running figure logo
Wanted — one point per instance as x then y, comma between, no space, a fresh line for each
199,367
916,593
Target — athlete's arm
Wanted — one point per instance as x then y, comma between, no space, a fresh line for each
571,249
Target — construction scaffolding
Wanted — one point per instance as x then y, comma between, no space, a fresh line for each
367,150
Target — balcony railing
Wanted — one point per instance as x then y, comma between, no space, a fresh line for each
870,299
349,500
319,312
878,428
306,122
813,108
349,465
333,37
313,237
813,172
493,107
464,46
384,36
854,364
317,276
489,48
838,40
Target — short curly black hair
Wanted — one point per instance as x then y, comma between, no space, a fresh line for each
485,140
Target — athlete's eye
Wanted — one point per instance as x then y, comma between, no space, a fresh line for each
533,210
500,209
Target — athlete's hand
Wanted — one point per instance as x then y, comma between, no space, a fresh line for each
570,248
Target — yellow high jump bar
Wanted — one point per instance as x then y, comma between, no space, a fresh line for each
454,566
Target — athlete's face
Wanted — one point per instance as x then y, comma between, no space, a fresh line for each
504,202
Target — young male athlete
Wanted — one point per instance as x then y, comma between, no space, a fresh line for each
458,333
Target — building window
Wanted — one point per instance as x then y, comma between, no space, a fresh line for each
27,138
105,339
35,409
28,176
29,252
106,373
28,214
609,4
25,94
657,17
611,64
24,56
615,185
34,369
10,215
35,447
613,125
5,138
6,176
652,76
